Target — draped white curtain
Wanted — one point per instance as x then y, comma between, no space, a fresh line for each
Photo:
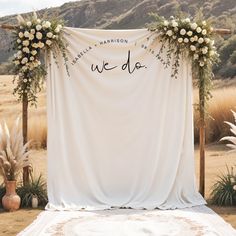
120,128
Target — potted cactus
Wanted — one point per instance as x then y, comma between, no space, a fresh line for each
13,157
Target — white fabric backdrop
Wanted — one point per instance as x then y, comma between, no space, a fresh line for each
121,137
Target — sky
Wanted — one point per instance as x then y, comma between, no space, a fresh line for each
9,7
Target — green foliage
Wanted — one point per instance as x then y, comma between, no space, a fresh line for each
36,187
2,193
224,190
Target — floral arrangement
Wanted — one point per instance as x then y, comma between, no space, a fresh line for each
32,37
13,153
191,38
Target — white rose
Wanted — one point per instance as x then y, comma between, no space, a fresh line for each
32,31
195,56
193,26
34,52
169,33
199,30
48,42
39,35
38,27
31,36
24,60
26,49
180,40
25,80
41,45
200,40
46,24
31,58
186,40
193,48
35,45
205,50
182,31
18,41
20,35
201,63
28,23
49,34
192,39
26,34
25,43
174,23
204,32
165,23
57,30
189,33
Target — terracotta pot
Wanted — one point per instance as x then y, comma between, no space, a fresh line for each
11,201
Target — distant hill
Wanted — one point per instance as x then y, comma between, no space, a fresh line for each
123,14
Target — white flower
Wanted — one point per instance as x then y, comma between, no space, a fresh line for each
199,29
204,32
182,31
46,24
17,62
19,54
40,45
28,23
48,42
32,31
26,34
38,21
205,50
201,63
174,23
190,33
187,20
193,48
186,40
195,56
38,27
35,45
165,23
24,60
193,26
192,39
31,36
211,29
25,80
196,38
180,40
174,37
31,58
18,41
49,34
204,22
200,40
25,49
169,33
234,187
207,40
20,47
39,35
211,53
20,35
25,43
34,52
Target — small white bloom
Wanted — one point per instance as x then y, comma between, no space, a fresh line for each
48,42
180,40
195,56
169,33
38,21
19,47
201,63
186,40
25,49
49,34
204,23
196,38
192,39
207,40
200,40
31,58
190,33
182,31
165,23
187,20
31,36
199,29
28,23
211,29
40,45
26,34
35,45
38,27
174,37
25,80
34,52
25,43
20,35
204,50
204,32
46,24
193,26
39,35
17,62
174,23
193,48
18,41
234,187
24,60
32,31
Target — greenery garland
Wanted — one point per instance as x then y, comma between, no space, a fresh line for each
192,38
32,38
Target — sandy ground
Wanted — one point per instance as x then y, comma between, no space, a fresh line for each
216,160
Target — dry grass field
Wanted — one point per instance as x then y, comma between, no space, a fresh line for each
224,99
